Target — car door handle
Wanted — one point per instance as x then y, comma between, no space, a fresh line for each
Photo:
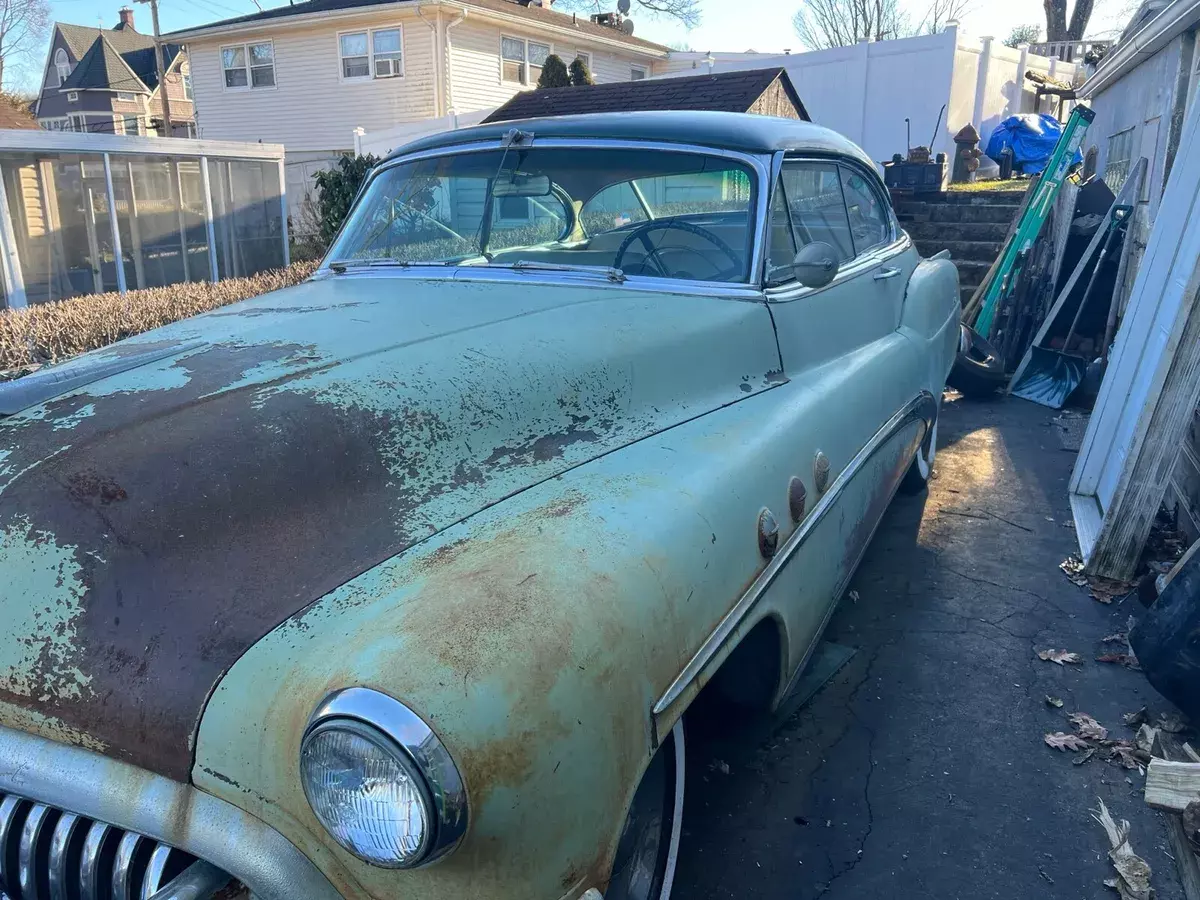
890,272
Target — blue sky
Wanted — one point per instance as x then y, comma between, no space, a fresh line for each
764,25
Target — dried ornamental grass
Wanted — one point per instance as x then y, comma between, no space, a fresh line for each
49,332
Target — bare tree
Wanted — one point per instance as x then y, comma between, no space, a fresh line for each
22,29
1023,34
686,12
822,24
1058,28
942,12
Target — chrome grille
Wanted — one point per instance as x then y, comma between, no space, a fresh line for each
50,854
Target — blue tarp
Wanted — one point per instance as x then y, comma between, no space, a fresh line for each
1031,136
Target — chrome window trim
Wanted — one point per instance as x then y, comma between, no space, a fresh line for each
858,266
416,739
757,162
83,782
924,407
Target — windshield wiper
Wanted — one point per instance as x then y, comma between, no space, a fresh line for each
526,265
341,265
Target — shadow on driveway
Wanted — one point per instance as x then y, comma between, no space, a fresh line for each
920,769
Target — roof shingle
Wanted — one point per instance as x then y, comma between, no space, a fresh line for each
120,59
722,92
536,14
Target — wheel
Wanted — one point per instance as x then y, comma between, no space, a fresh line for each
646,855
921,469
978,370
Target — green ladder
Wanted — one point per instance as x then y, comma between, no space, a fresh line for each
1030,225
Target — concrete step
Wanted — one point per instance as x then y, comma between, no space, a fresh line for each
961,231
971,273
983,212
960,251
975,198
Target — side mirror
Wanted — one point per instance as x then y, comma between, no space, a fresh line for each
815,265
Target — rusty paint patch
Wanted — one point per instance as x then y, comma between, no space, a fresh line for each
87,486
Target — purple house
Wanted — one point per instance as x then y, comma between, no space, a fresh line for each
106,81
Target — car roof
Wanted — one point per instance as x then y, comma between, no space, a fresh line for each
746,132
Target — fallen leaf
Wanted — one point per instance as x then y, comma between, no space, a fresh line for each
1133,872
1128,660
1072,567
1081,758
1135,719
1088,727
1060,656
1060,741
1124,754
1119,637
1054,701
854,596
1172,723
1108,589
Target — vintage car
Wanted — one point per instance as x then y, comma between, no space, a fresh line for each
399,582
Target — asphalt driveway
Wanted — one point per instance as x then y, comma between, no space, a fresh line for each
920,770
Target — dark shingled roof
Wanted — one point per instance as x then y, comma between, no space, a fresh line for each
518,8
722,92
121,59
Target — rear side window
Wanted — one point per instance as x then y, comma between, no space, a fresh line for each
870,221
818,212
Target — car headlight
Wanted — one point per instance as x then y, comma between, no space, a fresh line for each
380,782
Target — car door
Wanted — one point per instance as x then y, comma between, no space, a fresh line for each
854,370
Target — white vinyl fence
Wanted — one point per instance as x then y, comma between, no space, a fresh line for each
866,91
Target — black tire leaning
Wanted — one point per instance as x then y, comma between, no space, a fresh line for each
978,370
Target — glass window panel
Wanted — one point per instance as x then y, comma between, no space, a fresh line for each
356,67
870,221
387,41
247,216
261,53
262,76
236,78
781,249
637,73
233,57
814,194
538,53
511,48
354,44
535,72
511,71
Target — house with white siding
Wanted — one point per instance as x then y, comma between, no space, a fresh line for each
308,74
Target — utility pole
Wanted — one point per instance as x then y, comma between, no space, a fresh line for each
162,69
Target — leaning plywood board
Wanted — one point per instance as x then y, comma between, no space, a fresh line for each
1172,785
1151,386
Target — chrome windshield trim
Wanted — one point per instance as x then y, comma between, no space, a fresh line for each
412,735
760,164
486,274
111,791
922,406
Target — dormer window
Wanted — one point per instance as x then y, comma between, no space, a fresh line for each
62,64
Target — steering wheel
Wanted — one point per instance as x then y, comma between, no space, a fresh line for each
642,231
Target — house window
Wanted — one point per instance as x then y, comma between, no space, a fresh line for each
76,122
62,64
187,86
586,57
1116,164
637,73
126,96
72,96
249,66
129,124
371,54
521,61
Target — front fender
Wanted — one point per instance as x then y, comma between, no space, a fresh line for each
930,317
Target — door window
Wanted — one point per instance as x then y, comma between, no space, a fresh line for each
818,212
870,222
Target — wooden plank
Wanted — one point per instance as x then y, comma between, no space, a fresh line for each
1172,785
1186,863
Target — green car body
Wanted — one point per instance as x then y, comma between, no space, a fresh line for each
540,509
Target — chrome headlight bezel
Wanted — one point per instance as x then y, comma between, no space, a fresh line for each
418,749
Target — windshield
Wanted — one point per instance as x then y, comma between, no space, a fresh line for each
663,214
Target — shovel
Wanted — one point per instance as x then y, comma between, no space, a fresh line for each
1052,375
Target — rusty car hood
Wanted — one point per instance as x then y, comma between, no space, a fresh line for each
157,522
